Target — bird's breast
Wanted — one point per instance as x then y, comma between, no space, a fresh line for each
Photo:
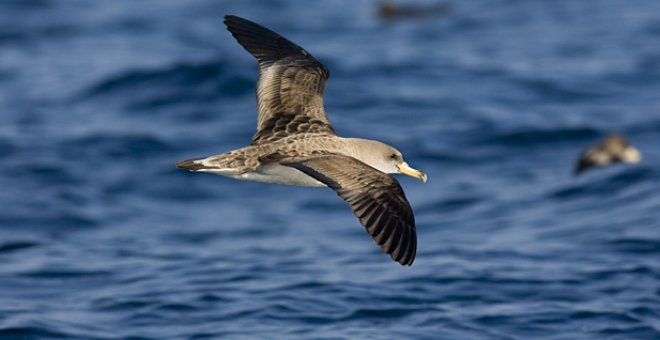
280,174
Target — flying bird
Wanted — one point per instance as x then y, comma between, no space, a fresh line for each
295,144
613,149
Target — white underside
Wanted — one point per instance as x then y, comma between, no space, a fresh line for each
271,173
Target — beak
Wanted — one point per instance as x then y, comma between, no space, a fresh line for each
405,169
631,155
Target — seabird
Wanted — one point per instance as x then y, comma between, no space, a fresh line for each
390,10
295,144
613,149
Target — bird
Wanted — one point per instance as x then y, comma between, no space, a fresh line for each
295,144
614,148
390,10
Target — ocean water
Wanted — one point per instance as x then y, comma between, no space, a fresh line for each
101,237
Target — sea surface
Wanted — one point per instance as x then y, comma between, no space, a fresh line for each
101,237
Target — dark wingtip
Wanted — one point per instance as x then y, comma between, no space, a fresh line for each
408,244
582,165
578,170
232,20
411,251
264,44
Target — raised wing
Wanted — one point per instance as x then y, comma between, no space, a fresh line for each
376,199
290,86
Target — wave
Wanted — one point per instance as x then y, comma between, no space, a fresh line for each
535,136
179,83
635,245
7,148
554,91
15,246
117,146
31,332
47,220
607,186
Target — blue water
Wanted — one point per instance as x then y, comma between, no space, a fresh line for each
101,237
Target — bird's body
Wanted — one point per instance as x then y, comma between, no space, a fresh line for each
263,162
612,149
295,144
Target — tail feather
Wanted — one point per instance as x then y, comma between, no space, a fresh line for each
191,164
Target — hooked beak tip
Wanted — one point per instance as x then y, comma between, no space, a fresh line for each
405,169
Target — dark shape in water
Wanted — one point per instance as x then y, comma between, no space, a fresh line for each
390,10
613,149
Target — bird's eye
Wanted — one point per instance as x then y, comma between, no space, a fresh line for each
393,156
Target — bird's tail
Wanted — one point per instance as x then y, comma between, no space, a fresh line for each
191,164
227,164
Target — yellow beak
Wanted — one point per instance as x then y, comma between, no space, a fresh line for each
405,169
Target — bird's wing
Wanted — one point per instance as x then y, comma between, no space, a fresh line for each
590,158
290,86
375,197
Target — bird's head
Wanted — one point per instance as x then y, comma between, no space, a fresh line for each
385,158
621,150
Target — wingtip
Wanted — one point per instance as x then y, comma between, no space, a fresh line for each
407,263
266,45
581,166
236,24
229,18
409,256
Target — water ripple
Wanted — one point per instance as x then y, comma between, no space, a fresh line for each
102,237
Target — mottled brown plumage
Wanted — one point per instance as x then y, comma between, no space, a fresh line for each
290,86
296,145
613,149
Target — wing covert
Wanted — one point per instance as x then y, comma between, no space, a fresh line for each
376,199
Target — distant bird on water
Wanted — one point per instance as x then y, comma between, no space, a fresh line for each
390,10
613,149
296,145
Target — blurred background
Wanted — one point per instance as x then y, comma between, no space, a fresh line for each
101,237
